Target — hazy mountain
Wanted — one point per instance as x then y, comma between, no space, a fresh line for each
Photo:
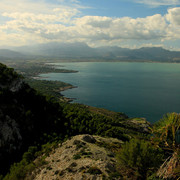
83,51
55,49
145,53
6,53
154,54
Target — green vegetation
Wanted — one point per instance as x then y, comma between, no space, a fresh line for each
141,157
50,88
27,164
42,120
79,120
32,116
94,170
82,153
7,75
77,156
166,130
32,69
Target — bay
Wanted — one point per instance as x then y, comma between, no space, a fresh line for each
146,90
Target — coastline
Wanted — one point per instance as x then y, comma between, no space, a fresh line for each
62,87
66,99
67,87
102,60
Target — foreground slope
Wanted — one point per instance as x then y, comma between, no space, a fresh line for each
33,127
82,157
29,118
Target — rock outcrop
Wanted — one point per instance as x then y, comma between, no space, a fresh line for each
82,157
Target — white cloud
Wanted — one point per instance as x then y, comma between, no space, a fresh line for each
74,1
45,22
156,3
36,6
95,28
88,28
173,16
24,6
61,15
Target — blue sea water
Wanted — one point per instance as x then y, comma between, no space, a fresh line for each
138,89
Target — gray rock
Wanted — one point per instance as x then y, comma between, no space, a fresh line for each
89,139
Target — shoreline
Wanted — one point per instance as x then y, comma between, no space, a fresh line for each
67,87
67,99
61,89
101,60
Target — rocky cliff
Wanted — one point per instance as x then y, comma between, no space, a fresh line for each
24,115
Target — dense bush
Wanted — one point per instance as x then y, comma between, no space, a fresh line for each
79,120
7,75
24,168
140,156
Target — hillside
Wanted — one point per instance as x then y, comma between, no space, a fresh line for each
95,157
24,115
32,126
28,118
82,157
9,54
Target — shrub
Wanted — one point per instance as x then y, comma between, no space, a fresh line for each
141,156
1,177
76,156
94,170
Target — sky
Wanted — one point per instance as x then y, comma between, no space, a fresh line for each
124,23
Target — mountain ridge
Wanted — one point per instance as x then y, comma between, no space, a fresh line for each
81,51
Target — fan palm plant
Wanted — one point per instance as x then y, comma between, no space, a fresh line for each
167,130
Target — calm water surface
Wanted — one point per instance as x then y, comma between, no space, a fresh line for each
138,89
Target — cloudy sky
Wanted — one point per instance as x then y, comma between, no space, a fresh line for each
124,23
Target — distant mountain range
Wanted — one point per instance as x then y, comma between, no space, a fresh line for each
80,51
9,54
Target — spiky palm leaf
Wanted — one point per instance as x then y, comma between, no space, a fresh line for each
166,129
